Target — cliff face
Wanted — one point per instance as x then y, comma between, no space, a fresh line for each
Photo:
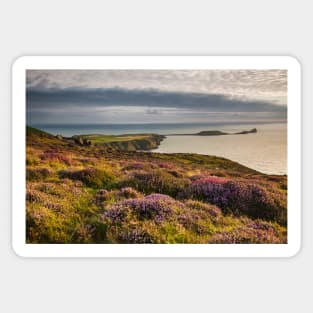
148,143
143,142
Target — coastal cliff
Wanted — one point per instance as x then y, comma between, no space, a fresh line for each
128,142
135,142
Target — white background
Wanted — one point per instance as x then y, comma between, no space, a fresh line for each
163,28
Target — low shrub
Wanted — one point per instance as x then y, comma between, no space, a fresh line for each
103,196
157,181
32,158
212,210
167,165
128,193
135,236
91,177
54,155
37,174
45,226
59,213
135,166
239,198
252,232
156,207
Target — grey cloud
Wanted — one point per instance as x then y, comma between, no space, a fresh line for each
270,85
101,97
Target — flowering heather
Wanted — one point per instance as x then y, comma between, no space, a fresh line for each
87,161
128,193
116,214
212,210
54,155
135,236
167,165
237,198
91,177
135,166
210,180
33,174
157,181
84,233
155,206
53,196
104,196
253,232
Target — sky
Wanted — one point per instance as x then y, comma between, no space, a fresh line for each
155,96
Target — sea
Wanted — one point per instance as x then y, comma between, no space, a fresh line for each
264,151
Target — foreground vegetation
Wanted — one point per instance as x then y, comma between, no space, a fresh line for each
98,193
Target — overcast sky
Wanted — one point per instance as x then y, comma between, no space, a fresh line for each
155,96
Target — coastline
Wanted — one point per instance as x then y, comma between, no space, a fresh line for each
228,144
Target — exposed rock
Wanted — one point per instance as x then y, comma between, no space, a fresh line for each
253,130
59,137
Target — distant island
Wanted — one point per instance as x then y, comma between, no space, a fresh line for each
216,133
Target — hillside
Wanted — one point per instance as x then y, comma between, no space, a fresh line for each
126,142
97,193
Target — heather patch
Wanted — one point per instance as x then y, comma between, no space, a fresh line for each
135,236
37,174
212,210
128,193
157,181
252,232
55,155
238,198
103,196
167,165
91,177
135,166
156,207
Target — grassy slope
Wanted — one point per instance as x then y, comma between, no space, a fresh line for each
126,142
78,194
100,139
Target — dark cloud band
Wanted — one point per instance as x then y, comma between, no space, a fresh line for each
82,97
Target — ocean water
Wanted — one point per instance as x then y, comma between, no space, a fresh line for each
264,151
118,129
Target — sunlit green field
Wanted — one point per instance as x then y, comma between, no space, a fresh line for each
100,139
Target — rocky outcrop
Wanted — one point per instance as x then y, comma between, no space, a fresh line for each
211,133
149,143
81,141
216,133
253,130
